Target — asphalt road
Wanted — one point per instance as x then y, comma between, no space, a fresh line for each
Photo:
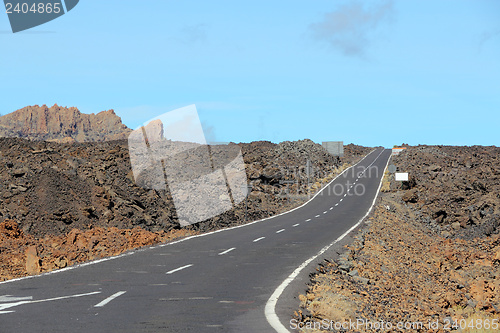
219,282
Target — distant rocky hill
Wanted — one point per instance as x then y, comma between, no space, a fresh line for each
62,124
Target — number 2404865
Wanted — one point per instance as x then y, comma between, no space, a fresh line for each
36,8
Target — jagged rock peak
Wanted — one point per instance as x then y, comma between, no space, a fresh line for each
62,124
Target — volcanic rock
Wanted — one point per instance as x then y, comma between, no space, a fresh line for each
434,255
61,124
458,187
32,261
79,201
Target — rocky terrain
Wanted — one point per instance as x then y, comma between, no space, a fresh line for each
429,252
62,124
454,190
65,203
23,254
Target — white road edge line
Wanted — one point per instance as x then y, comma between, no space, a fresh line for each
227,251
281,230
109,299
184,239
178,269
269,311
258,239
296,225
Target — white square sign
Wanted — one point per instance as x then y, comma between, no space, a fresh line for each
402,176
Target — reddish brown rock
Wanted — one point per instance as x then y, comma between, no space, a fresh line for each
32,260
410,196
10,229
61,124
497,256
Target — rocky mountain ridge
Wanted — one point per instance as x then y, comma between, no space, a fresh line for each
62,124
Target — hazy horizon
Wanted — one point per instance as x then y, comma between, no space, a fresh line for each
370,72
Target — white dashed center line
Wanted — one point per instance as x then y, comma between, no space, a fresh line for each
258,239
296,225
336,204
227,251
280,231
178,269
331,208
317,215
308,220
345,195
199,298
109,299
341,199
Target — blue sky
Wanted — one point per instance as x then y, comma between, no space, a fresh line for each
367,72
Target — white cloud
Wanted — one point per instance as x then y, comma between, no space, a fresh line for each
488,35
348,28
194,33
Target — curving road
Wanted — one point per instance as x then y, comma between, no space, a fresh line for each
219,282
